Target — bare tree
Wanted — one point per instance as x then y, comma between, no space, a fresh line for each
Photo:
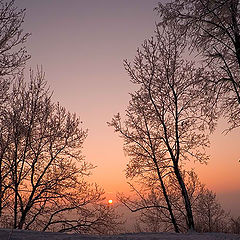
143,145
171,90
44,171
212,29
13,57
209,214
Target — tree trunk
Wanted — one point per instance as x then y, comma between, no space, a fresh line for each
15,209
167,201
23,217
190,221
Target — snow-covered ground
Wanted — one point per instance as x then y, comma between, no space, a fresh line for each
6,234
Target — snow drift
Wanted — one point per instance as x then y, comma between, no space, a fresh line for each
7,234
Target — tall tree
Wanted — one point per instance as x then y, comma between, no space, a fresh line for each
143,145
170,90
43,168
13,57
212,29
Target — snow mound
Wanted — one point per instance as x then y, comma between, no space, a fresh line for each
6,234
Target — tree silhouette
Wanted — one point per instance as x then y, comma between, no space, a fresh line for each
43,171
212,30
143,145
209,215
13,57
170,96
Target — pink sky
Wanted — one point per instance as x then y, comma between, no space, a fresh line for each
81,45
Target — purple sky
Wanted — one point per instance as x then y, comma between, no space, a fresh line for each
81,45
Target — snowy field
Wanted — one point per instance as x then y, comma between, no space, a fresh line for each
30,235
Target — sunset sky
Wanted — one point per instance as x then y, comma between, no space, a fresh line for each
81,45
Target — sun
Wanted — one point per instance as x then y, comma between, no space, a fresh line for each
110,201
